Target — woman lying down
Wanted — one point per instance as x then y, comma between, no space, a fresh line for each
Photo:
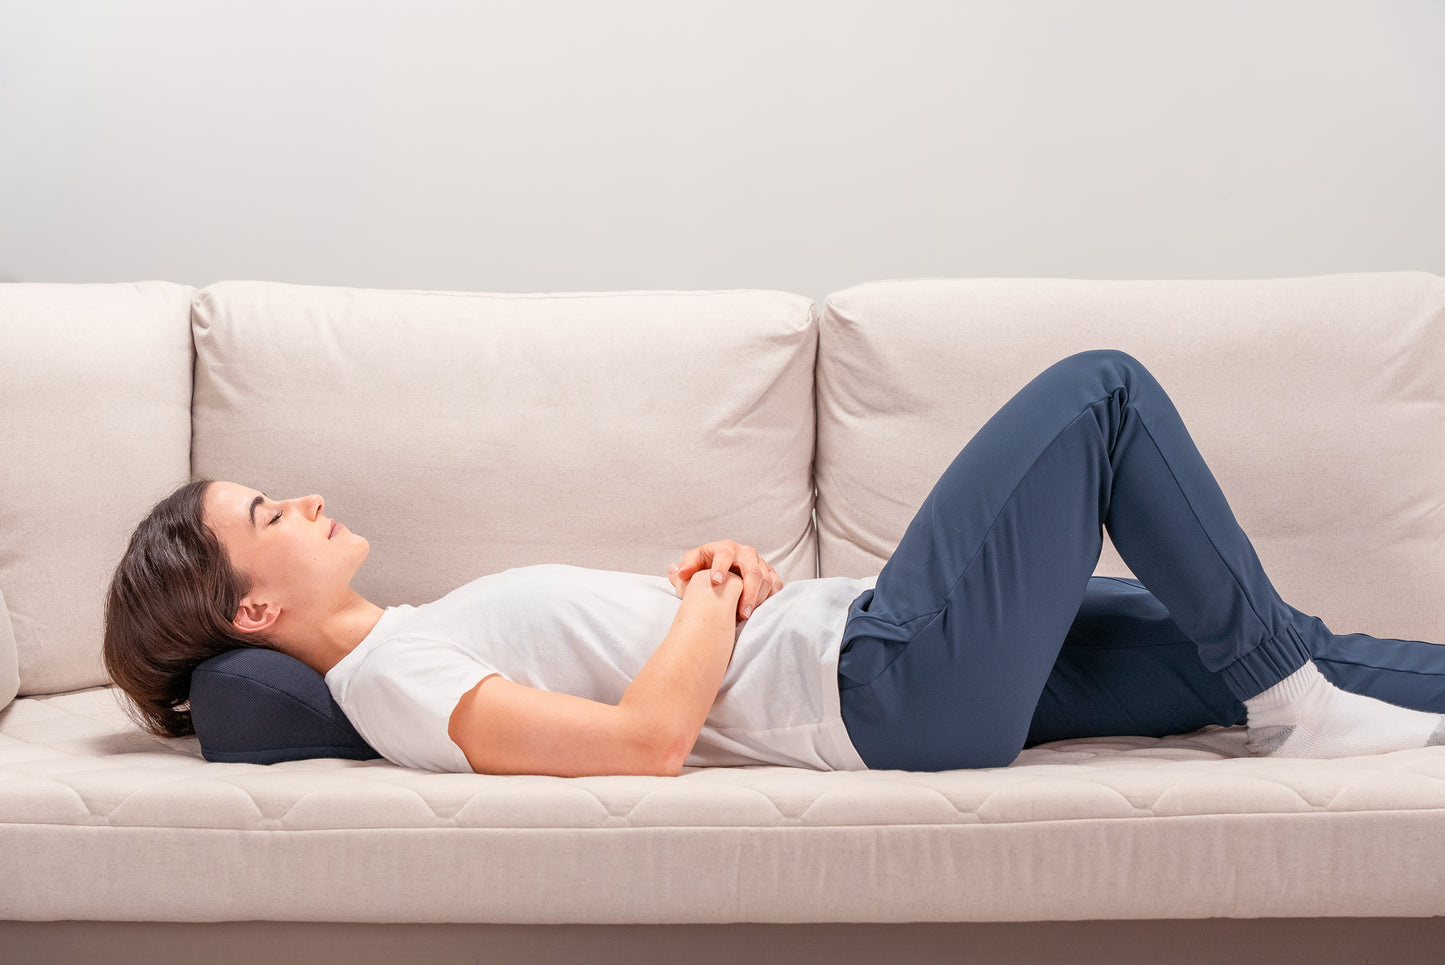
983,634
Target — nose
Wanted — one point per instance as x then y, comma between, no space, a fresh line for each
312,505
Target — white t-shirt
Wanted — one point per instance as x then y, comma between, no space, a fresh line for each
588,633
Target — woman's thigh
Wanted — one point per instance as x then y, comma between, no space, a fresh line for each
959,635
1126,669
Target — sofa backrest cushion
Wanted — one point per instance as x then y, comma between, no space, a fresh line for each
95,427
464,433
1318,402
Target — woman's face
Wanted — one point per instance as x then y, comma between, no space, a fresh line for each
296,558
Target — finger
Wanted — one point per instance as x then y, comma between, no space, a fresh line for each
672,577
752,590
692,561
722,559
755,578
768,578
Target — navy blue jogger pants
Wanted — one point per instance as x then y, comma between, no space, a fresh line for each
986,632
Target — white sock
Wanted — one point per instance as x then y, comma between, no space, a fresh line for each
1304,715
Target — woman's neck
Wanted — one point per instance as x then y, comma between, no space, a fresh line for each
336,635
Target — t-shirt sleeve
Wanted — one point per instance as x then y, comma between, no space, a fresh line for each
402,696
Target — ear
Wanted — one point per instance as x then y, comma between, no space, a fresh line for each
253,617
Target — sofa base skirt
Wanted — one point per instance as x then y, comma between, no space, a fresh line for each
1265,941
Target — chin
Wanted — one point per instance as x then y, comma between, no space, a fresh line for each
362,554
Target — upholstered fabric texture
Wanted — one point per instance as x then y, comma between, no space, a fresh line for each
1318,403
466,433
95,427
1183,827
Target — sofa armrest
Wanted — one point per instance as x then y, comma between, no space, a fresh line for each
9,660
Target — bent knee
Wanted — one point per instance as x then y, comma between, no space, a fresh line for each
1108,368
1105,359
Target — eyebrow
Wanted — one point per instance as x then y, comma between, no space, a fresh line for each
254,503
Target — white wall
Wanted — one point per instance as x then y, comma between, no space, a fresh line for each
544,145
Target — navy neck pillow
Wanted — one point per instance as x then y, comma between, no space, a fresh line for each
258,706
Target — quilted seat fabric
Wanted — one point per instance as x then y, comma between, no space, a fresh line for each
105,822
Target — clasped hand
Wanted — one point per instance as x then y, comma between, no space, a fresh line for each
759,579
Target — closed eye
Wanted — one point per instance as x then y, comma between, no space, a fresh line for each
275,519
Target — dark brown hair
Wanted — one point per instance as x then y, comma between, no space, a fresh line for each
169,608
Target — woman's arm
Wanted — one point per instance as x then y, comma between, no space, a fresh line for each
508,728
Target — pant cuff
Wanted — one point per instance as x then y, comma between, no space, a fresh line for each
1267,664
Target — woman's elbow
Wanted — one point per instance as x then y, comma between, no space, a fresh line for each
674,756
648,742
670,754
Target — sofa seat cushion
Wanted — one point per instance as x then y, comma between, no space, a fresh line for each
101,821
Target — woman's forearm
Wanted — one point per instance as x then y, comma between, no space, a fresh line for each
677,686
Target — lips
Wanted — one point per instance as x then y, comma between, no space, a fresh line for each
334,527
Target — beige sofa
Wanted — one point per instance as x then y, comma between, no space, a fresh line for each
463,433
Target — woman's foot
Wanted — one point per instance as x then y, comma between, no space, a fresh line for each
1304,715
